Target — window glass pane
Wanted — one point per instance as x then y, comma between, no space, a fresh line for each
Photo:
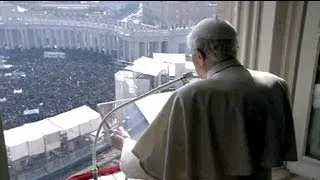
313,145
64,65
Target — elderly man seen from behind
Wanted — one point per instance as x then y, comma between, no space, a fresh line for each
234,123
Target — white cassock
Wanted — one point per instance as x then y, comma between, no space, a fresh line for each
238,122
130,164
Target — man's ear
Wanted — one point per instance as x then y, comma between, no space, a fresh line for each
201,58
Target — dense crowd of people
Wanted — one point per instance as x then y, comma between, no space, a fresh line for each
53,85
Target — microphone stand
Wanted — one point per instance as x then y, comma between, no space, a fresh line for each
95,169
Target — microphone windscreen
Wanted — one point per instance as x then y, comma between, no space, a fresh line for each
188,75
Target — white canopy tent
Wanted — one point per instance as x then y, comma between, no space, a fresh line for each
148,66
42,136
76,122
16,142
32,139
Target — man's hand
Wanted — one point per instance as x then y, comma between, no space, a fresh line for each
117,137
117,141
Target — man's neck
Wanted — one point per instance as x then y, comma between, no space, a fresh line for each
211,69
209,72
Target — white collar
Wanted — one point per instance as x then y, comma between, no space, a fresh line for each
222,65
210,72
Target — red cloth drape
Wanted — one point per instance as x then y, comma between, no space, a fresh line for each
103,172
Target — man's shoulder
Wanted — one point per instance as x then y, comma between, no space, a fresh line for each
221,84
265,75
197,87
269,78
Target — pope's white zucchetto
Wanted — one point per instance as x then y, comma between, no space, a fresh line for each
213,29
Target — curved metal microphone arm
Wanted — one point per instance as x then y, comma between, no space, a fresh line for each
95,170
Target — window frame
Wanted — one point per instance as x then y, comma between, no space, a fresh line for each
4,166
309,54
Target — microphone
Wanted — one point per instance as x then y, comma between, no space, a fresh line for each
187,75
95,171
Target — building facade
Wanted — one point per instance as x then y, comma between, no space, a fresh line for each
177,13
123,41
